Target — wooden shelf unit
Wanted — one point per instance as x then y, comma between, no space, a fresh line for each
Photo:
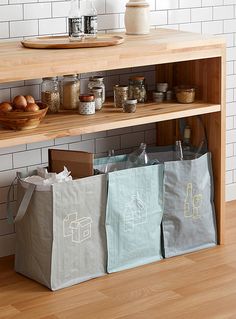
180,58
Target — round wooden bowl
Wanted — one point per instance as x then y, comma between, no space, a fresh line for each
23,120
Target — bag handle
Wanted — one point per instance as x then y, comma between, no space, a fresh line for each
23,205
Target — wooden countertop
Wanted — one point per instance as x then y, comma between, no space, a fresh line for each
160,46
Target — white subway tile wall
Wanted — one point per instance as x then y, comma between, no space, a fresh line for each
23,18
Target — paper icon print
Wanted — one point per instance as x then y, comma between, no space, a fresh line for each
78,229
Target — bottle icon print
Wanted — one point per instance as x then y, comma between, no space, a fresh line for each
188,201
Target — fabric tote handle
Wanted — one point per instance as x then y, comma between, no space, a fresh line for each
23,205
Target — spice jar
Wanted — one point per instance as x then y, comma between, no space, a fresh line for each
70,92
162,87
97,92
137,89
130,106
120,95
158,97
50,94
98,82
185,94
86,104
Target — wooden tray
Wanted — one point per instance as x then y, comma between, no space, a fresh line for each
62,42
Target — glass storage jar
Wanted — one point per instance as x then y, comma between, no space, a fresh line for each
130,106
98,82
137,89
97,92
120,95
70,92
50,94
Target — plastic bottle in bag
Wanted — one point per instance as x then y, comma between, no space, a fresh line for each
178,151
138,158
108,167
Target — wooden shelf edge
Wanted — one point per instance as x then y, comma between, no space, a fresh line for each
71,124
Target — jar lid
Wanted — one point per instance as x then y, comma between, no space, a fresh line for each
122,87
97,89
52,78
137,78
86,97
70,75
96,78
137,3
131,101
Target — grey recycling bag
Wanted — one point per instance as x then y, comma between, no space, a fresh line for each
60,241
189,215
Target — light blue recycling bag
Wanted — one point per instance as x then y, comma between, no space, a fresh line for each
133,217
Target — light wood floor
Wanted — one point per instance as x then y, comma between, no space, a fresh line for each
199,285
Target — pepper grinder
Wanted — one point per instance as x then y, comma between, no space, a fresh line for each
137,17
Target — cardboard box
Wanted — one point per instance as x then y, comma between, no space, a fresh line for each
79,163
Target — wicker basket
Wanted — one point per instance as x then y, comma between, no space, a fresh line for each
22,120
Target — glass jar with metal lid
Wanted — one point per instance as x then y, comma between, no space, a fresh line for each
50,94
120,95
137,88
70,92
97,92
98,82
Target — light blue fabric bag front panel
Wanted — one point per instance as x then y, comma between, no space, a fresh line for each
189,215
133,218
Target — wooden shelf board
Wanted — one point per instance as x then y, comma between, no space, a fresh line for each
71,123
160,46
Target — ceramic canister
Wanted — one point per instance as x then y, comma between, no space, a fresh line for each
137,17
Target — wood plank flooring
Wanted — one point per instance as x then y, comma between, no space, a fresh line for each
198,285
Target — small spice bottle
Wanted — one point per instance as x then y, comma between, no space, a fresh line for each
162,87
169,95
98,82
50,94
130,106
158,97
70,92
137,89
120,95
97,92
86,104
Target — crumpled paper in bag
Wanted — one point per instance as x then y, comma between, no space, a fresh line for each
43,178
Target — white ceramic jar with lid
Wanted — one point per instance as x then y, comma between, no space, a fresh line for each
137,17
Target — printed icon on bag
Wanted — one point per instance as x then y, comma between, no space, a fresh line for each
78,229
135,213
192,203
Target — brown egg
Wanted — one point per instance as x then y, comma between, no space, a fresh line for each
19,102
5,107
32,107
29,99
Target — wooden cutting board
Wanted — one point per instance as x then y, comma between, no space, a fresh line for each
62,42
